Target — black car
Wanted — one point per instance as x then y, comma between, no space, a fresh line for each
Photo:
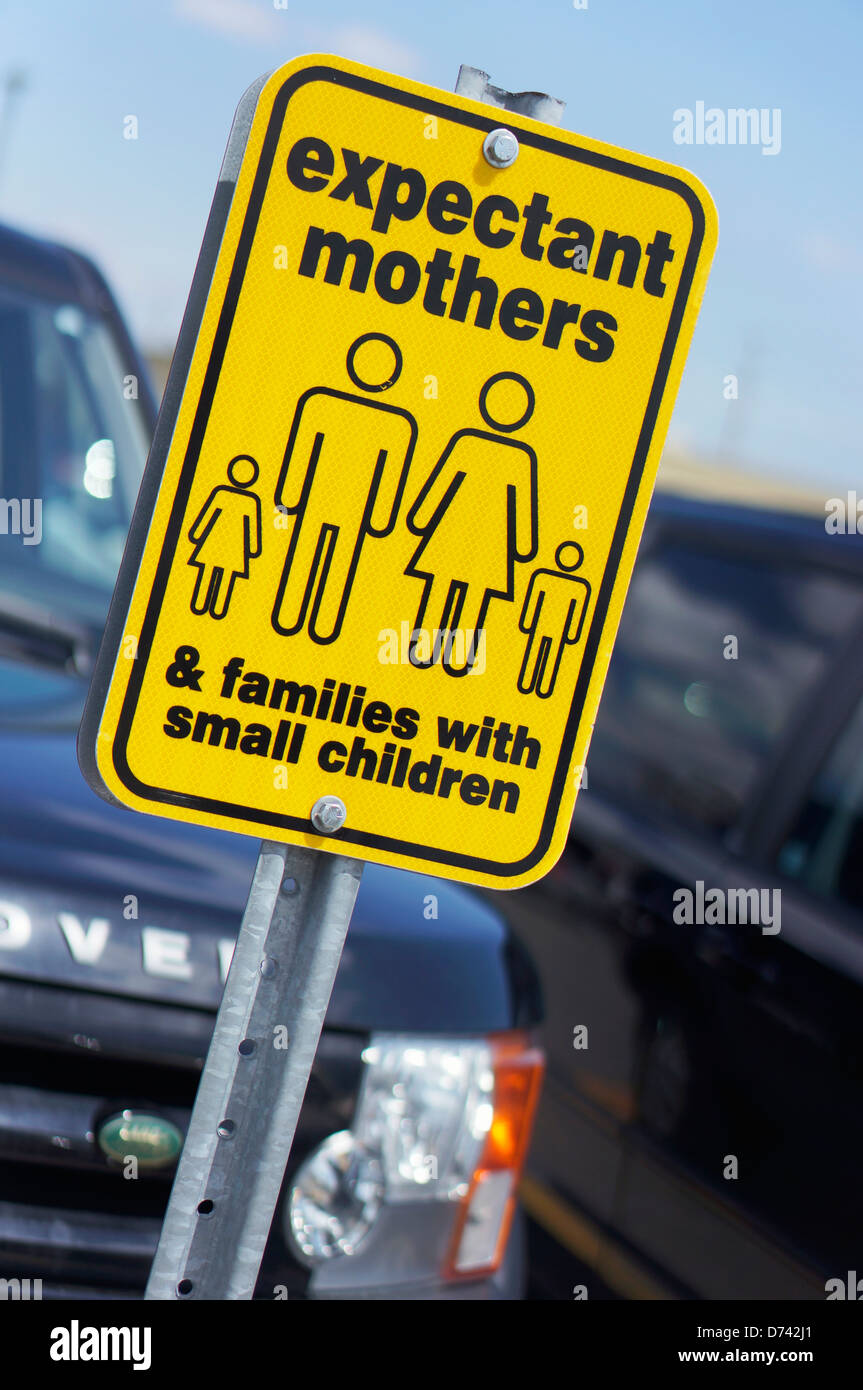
116,930
701,940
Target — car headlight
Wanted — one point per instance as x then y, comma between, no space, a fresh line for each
423,1184
335,1198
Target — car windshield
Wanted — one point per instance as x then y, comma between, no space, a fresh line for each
73,441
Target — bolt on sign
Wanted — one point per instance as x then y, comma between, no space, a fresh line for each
400,477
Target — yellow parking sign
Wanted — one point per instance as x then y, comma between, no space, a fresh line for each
399,477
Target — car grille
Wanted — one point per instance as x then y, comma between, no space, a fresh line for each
68,1061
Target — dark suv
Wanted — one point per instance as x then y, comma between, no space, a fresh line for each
701,940
116,929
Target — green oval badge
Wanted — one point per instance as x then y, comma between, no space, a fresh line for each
154,1142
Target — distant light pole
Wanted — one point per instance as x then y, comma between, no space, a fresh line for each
13,84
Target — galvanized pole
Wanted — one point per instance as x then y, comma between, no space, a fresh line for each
257,1069
474,83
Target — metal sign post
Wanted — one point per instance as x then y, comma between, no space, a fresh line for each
255,1077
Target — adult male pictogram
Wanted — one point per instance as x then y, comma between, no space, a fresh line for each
553,614
337,507
226,534
482,481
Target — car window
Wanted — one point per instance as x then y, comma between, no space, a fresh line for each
714,654
824,849
72,440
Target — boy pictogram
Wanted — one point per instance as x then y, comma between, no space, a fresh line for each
343,478
226,535
552,616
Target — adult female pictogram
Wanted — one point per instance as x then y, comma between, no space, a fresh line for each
227,535
477,515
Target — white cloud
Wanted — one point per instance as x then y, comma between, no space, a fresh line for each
830,254
256,21
371,46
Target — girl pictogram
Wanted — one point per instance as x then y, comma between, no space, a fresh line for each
227,536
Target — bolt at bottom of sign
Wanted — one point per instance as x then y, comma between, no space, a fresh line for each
329,814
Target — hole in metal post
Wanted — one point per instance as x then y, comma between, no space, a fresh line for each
184,1288
206,1207
225,1129
246,1047
289,887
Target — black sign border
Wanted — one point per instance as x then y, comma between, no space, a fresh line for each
139,530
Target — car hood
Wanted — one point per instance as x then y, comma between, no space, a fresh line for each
105,899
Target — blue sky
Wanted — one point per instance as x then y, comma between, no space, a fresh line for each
784,303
